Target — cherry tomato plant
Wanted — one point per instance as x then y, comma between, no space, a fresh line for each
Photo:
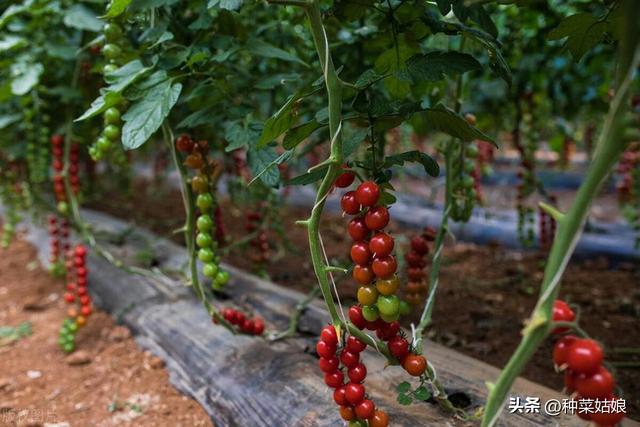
253,99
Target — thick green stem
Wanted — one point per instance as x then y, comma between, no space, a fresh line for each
334,94
609,147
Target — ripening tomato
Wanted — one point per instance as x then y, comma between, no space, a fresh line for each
329,335
367,295
414,259
340,396
398,347
363,274
584,356
415,364
384,267
345,179
377,218
561,350
368,193
365,409
388,286
597,385
381,245
415,274
354,393
347,413
349,359
355,315
349,204
328,365
354,345
334,379
360,253
325,350
420,245
562,313
358,230
379,419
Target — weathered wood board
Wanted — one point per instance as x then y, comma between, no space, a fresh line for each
245,381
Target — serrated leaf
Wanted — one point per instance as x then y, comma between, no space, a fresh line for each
280,122
367,78
264,49
116,7
403,387
404,399
262,163
25,76
309,177
430,166
448,121
124,76
352,139
392,62
434,66
146,115
297,134
82,18
582,30
100,104
9,42
422,393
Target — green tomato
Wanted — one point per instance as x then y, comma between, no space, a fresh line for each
111,51
112,32
8,227
469,165
112,116
112,132
389,305
370,313
204,201
471,151
210,270
205,255
61,342
204,240
357,423
109,69
467,181
405,308
102,144
63,208
204,223
69,347
390,319
473,195
222,278
73,327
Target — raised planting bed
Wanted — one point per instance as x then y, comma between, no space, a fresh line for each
249,381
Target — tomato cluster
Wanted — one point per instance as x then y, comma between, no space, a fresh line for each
261,242
416,259
36,133
581,360
76,293
547,229
113,54
244,324
351,397
59,244
59,190
372,250
526,175
198,159
11,196
463,183
485,156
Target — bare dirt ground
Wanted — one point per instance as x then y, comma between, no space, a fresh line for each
108,381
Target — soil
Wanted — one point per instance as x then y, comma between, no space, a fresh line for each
486,292
108,381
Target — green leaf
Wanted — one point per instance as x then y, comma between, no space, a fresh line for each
7,119
297,134
25,75
263,164
10,12
146,115
280,122
261,48
9,42
403,387
422,393
240,134
479,15
392,62
309,177
352,138
430,166
367,78
582,30
82,18
433,66
116,8
225,4
404,399
100,104
448,121
124,76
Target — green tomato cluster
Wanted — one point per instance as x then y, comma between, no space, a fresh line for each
111,132
67,336
207,245
464,193
11,201
36,129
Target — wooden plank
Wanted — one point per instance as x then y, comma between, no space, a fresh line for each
245,381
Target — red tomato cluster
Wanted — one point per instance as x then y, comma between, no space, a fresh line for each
416,259
584,376
77,282
250,326
547,229
59,235
57,143
261,241
350,397
629,161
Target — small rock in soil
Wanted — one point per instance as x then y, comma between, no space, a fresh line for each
156,363
78,358
119,333
34,374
